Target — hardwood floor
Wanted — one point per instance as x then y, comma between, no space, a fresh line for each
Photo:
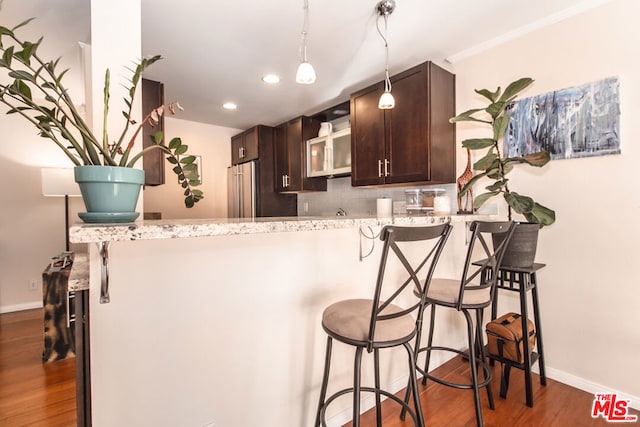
33,393
36,394
555,404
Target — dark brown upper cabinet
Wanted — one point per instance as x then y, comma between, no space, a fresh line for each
290,158
244,146
153,161
411,143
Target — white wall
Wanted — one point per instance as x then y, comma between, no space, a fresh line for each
589,290
31,225
213,144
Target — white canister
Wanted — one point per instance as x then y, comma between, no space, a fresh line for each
384,208
441,203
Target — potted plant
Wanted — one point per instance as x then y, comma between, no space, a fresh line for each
32,88
495,167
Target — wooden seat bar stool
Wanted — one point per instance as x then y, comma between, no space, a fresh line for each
521,280
387,320
470,295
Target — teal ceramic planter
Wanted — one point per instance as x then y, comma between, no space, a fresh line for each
110,193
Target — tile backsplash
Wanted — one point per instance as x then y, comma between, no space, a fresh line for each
356,201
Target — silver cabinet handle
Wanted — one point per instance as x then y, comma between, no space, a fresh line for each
387,166
379,168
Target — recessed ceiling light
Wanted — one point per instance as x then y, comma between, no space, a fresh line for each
229,106
271,79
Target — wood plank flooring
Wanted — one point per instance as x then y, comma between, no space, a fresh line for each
33,393
36,394
555,404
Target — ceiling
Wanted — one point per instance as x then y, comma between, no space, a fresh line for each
218,51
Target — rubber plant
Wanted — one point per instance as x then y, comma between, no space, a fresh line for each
33,89
493,165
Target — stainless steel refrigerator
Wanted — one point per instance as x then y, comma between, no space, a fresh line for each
241,190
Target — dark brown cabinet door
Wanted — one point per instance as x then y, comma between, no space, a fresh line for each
367,137
413,142
244,146
153,161
281,160
290,162
407,148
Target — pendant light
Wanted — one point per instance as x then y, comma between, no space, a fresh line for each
306,74
384,9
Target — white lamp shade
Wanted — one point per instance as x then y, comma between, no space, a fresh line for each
59,182
306,75
387,101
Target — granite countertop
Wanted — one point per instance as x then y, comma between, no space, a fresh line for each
182,228
79,275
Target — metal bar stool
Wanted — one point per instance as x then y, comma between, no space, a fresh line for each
472,293
521,280
383,321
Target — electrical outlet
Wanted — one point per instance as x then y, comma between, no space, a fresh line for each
33,285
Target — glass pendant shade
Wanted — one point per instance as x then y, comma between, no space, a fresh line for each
387,101
306,74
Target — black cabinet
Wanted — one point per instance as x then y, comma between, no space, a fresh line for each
411,143
290,156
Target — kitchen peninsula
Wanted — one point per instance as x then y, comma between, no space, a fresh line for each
218,321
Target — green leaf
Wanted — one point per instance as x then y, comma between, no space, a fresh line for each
478,143
177,170
515,88
497,186
541,215
506,168
486,162
181,150
188,160
481,199
21,75
496,108
467,116
158,137
22,24
519,203
175,143
172,160
18,87
470,184
491,96
500,126
538,159
7,57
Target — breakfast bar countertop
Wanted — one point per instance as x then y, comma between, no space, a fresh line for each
183,228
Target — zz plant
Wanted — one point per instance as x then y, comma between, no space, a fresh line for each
33,89
493,165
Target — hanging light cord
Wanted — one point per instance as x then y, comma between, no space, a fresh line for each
387,82
303,33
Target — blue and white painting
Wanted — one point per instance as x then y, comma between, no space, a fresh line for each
575,122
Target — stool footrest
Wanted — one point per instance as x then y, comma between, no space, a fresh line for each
464,354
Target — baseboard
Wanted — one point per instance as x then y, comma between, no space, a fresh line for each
20,307
589,386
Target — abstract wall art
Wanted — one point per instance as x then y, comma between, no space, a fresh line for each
580,121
